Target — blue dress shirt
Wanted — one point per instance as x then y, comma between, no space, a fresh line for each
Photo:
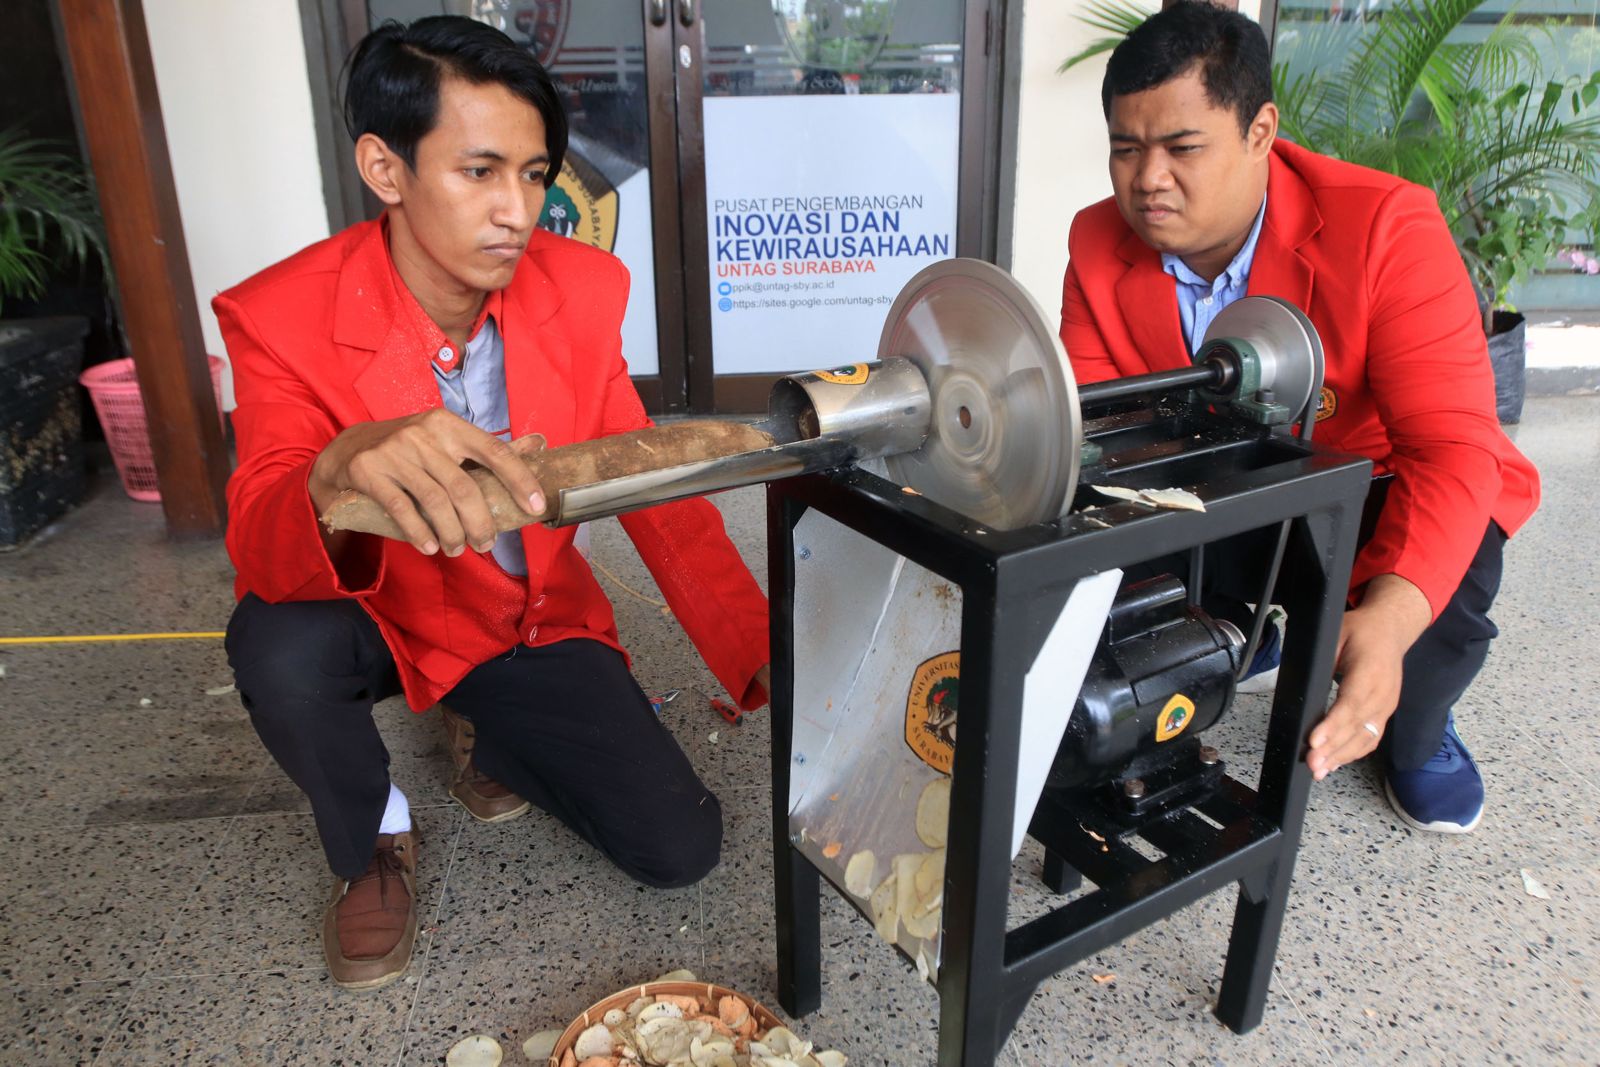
1200,301
475,389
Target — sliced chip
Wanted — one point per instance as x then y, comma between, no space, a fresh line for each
933,813
661,1009
929,879
859,871
830,1058
715,1053
885,913
688,1005
595,1041
1119,492
479,1050
781,1040
732,1011
540,1046
925,925
1181,499
905,877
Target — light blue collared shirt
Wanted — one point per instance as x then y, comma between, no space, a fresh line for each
1200,301
475,389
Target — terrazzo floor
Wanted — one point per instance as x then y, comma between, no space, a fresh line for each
161,886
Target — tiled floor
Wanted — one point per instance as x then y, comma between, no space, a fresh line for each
161,885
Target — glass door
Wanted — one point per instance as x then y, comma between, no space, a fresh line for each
771,172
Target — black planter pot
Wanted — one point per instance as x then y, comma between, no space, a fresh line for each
41,433
1508,355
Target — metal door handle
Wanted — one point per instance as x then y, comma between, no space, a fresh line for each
686,12
658,12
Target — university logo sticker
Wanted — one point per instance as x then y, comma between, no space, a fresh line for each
1175,717
1327,403
582,204
931,706
854,374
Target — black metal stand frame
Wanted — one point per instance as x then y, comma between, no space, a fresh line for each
1014,585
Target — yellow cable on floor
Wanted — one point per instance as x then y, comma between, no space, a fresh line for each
68,639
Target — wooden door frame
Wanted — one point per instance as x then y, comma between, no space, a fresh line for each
107,48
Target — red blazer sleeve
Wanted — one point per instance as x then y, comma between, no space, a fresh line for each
273,536
687,549
1080,334
1428,369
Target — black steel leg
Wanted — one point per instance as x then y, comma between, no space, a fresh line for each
1058,876
978,1001
796,883
1251,950
799,913
1314,579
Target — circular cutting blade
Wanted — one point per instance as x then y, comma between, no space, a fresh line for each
1005,433
1289,346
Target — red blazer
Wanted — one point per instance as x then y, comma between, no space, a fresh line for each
1368,257
324,340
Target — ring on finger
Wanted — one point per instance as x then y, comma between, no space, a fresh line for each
1372,728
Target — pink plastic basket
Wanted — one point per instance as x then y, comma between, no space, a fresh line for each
114,388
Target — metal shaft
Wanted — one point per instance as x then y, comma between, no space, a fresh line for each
820,420
1204,375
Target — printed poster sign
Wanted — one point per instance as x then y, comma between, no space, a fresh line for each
820,209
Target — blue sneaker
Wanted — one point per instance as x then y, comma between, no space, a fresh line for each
1262,677
1445,796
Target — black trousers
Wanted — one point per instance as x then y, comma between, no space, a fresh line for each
564,726
1437,669
1444,661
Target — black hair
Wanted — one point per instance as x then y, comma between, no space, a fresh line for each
392,88
1229,48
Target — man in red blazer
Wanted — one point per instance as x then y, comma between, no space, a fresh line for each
1208,207
380,360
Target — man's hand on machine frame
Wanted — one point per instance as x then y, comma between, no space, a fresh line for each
412,467
1372,646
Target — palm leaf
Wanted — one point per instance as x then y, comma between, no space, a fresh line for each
46,204
1115,18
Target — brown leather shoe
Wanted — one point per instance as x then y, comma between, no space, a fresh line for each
484,798
371,922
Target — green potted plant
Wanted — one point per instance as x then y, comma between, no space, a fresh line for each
48,225
1512,153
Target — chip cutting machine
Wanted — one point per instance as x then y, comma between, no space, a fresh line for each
959,662
951,554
